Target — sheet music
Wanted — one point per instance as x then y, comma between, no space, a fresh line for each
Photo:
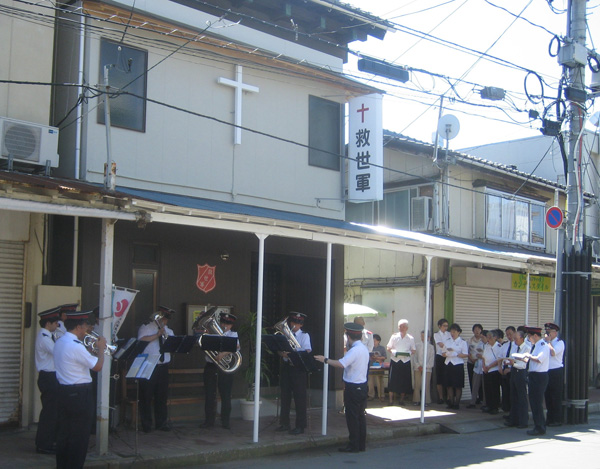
135,366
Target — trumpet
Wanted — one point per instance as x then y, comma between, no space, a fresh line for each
90,341
159,324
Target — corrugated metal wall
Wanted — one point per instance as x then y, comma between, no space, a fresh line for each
12,262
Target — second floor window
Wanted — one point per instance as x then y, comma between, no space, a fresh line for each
127,72
324,132
514,220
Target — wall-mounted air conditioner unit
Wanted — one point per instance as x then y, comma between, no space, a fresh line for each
28,142
420,214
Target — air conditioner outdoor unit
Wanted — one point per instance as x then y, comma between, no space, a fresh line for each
28,142
420,214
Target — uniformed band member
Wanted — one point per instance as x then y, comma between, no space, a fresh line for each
45,438
292,379
519,410
157,387
505,367
73,363
64,309
356,366
401,346
554,390
455,351
537,373
215,378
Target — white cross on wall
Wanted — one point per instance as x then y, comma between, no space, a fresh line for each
238,87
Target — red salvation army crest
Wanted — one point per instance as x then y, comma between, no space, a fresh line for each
121,307
206,278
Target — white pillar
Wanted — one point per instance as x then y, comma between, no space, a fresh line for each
426,329
259,306
106,270
326,340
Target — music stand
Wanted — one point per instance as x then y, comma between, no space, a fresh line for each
301,359
132,348
218,343
277,343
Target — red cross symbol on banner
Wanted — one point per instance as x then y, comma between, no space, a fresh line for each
363,109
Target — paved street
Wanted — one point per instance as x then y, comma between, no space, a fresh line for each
565,447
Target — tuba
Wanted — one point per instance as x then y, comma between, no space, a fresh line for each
283,328
208,321
90,343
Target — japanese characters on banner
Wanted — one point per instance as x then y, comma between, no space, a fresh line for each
365,149
121,302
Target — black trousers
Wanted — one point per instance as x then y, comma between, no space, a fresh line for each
470,367
215,379
157,388
553,396
45,438
505,386
519,410
75,411
491,382
537,387
293,384
355,404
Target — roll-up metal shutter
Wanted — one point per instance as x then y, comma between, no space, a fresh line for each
546,308
512,308
12,261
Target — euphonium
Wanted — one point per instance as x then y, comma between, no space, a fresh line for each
157,318
209,322
283,328
90,342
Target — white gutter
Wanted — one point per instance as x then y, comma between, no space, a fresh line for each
62,209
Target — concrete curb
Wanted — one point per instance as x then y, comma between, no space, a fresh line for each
251,450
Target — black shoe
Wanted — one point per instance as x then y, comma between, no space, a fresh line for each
45,450
456,407
508,424
225,425
146,429
440,401
471,406
493,412
485,409
296,431
207,425
348,449
283,428
449,406
535,432
478,401
165,428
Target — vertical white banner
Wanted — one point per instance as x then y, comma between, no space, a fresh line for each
121,302
365,149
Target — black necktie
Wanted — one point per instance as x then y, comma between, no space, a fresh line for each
162,354
509,347
529,361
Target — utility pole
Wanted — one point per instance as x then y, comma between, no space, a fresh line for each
575,275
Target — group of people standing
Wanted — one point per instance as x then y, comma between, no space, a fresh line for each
65,383
511,370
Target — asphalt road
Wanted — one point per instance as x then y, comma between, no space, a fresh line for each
568,446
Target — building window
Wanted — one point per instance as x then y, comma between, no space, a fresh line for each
396,210
325,131
127,73
514,220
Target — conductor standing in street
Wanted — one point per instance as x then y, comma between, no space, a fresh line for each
356,365
73,363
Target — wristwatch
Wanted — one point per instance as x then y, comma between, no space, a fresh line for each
326,360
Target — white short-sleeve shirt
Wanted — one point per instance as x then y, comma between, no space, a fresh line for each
72,360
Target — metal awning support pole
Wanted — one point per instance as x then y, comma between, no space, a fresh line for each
326,341
425,335
527,300
106,277
259,312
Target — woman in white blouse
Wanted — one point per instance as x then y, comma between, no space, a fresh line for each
456,350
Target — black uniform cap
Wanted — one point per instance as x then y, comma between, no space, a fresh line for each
296,317
551,325
227,318
50,313
166,312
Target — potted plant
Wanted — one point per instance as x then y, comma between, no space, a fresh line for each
247,334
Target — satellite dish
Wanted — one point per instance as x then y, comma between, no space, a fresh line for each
595,119
448,127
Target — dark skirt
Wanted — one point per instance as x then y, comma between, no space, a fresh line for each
400,380
455,376
440,370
